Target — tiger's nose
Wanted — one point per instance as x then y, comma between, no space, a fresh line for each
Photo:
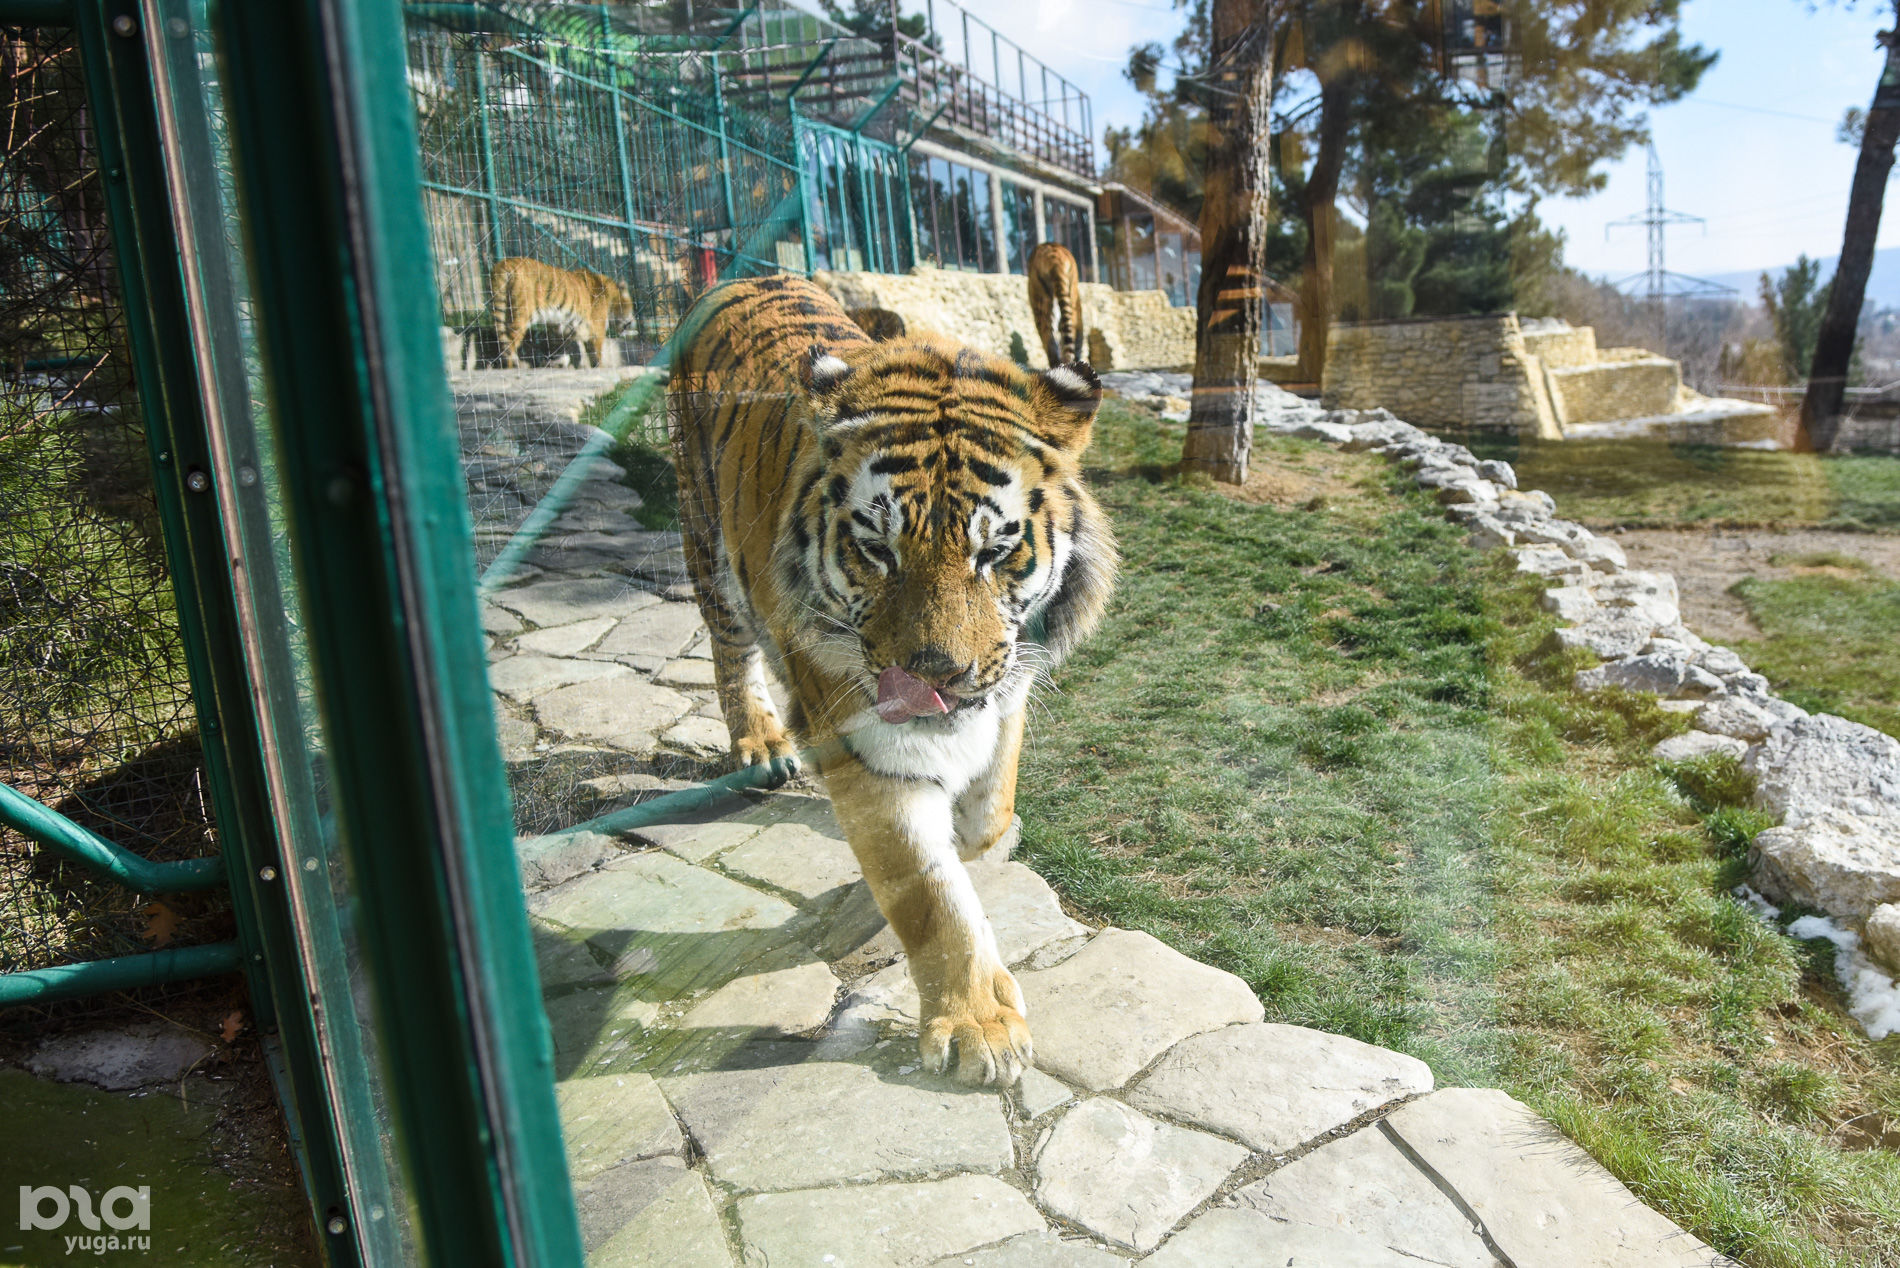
937,667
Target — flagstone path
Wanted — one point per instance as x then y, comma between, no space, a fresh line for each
735,1030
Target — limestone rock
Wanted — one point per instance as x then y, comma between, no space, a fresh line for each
1599,552
1736,716
499,620
517,737
1276,1087
1613,633
1832,860
828,1122
121,1057
1549,561
623,710
1541,1198
695,841
1023,911
1822,762
1694,744
882,1225
1104,1013
1570,603
1882,936
566,601
1331,433
563,960
609,1119
1036,1250
653,1214
1498,472
1660,674
1228,1238
1489,533
1650,594
1365,1185
673,926
1126,1177
1722,662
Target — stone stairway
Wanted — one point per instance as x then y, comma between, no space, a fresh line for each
735,1030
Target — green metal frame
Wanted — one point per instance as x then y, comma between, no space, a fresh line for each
344,294
90,850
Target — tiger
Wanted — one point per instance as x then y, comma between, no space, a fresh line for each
524,292
1055,301
901,531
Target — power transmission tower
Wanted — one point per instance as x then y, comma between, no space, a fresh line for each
1659,284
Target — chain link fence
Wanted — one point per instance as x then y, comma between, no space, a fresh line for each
95,701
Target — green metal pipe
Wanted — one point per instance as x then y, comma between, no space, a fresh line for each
36,12
89,849
122,973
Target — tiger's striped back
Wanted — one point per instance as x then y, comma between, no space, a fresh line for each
524,293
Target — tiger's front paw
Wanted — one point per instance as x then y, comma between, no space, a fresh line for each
981,1033
773,755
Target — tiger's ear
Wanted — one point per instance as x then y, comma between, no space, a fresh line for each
1065,400
824,375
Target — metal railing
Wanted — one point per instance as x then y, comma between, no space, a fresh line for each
635,168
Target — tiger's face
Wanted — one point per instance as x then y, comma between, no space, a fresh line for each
619,301
941,520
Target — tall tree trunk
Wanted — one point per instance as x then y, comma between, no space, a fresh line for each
1318,201
1834,348
1233,244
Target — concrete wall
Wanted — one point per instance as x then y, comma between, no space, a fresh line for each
1449,372
1126,330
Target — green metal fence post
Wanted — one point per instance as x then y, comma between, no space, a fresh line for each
489,184
626,185
725,155
345,300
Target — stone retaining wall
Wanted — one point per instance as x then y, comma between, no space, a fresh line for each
1627,387
1126,330
1453,372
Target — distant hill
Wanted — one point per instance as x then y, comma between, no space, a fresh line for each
1883,284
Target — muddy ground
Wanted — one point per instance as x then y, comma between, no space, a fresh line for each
1707,562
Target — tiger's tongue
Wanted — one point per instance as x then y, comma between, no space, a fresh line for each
902,696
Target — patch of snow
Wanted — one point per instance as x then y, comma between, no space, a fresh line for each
1752,899
1873,998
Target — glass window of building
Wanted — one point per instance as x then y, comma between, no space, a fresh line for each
1019,224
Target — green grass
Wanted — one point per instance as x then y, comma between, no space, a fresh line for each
1653,484
642,451
1829,641
1331,751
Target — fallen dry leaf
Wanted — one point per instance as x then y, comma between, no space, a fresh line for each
161,922
233,1025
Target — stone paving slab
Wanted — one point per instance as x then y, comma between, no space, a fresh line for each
1104,1013
882,1225
770,1000
1541,1198
620,708
1277,1087
1035,1250
798,859
756,1127
674,926
1126,1177
1248,1239
562,601
614,1118
1364,1184
654,1214
662,631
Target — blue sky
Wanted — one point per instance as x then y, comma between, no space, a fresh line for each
1753,150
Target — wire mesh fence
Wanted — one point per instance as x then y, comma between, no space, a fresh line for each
617,155
95,700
